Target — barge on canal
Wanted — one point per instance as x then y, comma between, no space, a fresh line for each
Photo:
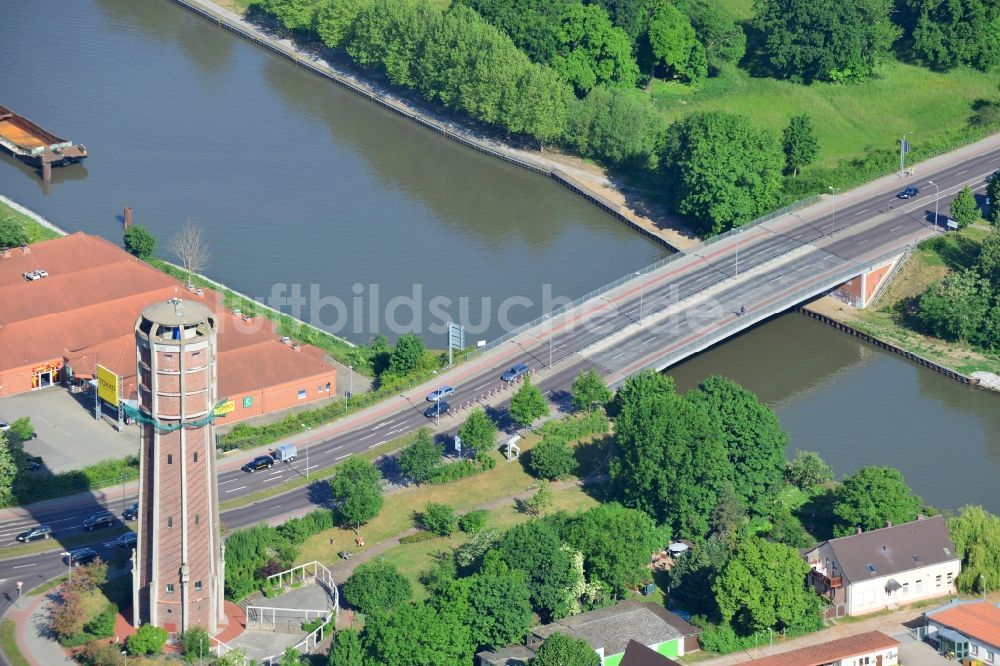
36,146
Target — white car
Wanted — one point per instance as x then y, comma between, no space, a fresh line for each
442,392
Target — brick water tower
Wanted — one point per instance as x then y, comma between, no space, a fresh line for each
178,563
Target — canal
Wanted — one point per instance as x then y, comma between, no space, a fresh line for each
296,181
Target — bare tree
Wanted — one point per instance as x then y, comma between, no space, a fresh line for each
190,247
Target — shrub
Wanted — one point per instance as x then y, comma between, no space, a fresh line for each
422,535
473,522
439,519
463,468
313,625
552,458
297,530
148,640
377,586
103,626
195,643
101,653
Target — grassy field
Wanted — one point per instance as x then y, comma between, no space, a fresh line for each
8,643
848,118
929,263
505,480
36,231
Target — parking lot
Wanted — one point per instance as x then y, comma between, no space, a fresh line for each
68,436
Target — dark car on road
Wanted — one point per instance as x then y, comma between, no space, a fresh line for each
260,462
514,373
132,512
432,411
99,520
908,193
81,556
36,532
126,540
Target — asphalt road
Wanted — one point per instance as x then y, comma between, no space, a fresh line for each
788,254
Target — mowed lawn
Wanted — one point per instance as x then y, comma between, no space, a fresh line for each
848,118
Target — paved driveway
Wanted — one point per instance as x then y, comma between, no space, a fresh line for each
68,436
921,654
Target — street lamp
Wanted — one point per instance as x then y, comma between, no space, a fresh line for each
350,390
69,562
551,327
834,204
641,280
937,193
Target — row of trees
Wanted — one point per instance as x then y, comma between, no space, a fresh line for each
483,595
965,305
454,57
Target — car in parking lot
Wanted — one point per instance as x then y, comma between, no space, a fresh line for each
132,512
908,193
127,540
4,426
99,520
440,407
260,462
36,532
440,393
81,556
515,372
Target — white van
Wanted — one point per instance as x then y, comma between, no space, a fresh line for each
285,453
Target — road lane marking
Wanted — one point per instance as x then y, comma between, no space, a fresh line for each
276,506
861,212
648,340
680,324
343,456
959,173
802,268
22,566
860,242
617,355
374,445
482,386
233,490
227,481
311,467
899,226
369,435
774,279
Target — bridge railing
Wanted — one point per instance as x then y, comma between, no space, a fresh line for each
800,295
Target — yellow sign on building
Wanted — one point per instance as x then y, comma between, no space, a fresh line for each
107,386
225,408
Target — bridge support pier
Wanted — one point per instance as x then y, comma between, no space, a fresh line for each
861,291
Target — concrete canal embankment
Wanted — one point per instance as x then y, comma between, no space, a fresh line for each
916,358
229,21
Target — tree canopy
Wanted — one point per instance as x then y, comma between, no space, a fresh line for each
552,458
347,649
723,39
799,142
675,46
563,650
957,32
12,232
754,440
418,635
617,126
479,432
527,405
964,208
140,241
616,543
672,459
761,587
993,194
357,490
833,40
377,586
872,498
808,469
406,355
721,171
976,534
534,548
421,457
954,307
590,391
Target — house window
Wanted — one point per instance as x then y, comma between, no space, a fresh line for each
906,589
170,459
949,579
328,387
937,580
973,649
196,460
170,521
990,656
864,661
870,597
920,586
302,394
319,389
170,588
197,585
